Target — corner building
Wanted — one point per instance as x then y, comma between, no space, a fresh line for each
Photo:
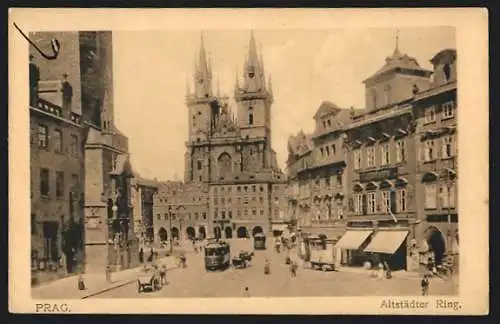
382,164
437,163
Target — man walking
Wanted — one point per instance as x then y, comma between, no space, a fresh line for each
425,285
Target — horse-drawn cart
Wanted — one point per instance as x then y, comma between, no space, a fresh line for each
242,260
148,280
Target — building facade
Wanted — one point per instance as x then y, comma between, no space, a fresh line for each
436,178
382,163
180,211
231,173
143,192
398,157
109,222
57,178
78,87
319,175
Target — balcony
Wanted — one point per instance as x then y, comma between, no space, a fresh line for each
390,172
49,107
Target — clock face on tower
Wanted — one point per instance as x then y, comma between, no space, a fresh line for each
251,72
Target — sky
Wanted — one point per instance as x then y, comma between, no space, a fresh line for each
151,70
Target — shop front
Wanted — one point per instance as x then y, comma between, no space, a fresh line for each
352,244
377,242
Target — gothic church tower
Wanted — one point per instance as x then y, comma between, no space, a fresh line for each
254,101
200,111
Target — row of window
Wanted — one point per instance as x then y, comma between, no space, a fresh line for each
448,109
385,154
330,214
442,194
196,216
245,199
380,202
327,150
321,183
246,212
59,183
57,137
431,150
229,189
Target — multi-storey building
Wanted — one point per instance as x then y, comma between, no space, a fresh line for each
180,211
382,165
231,169
436,141
57,177
316,166
299,160
80,82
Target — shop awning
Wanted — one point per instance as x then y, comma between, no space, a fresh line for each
386,241
352,240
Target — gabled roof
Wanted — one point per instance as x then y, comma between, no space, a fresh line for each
326,108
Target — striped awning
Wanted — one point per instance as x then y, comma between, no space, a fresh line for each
352,240
386,241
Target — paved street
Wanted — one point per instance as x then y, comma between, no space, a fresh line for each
194,281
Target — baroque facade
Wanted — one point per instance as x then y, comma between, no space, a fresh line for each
400,165
231,170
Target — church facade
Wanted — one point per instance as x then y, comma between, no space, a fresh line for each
229,158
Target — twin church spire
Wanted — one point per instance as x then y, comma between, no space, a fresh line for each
253,74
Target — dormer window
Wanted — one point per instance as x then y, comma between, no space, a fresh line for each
446,71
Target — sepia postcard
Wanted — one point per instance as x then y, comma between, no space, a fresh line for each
248,161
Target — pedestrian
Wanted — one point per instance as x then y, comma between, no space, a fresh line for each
141,255
380,270
163,274
81,282
246,292
425,285
267,267
293,269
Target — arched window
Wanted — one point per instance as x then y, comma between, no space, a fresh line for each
224,162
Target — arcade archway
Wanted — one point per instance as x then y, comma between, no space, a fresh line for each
242,232
228,232
202,233
191,232
162,234
436,243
